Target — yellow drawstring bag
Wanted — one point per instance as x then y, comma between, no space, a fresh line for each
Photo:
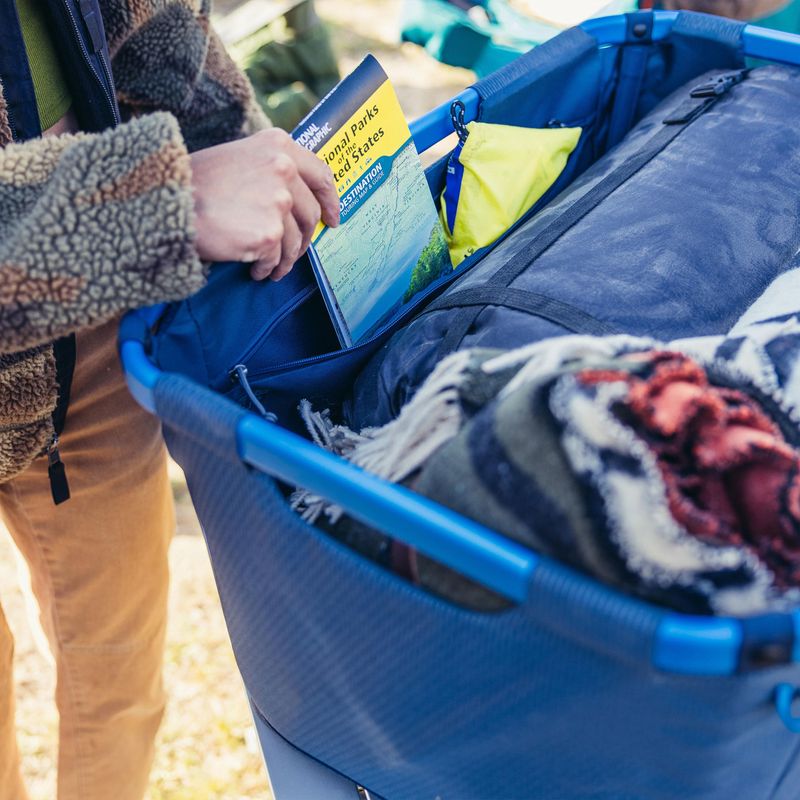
495,174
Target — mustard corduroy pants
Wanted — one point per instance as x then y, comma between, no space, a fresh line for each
98,567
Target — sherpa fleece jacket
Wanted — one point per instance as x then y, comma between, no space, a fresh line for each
96,223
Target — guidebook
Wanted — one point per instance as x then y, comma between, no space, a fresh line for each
389,244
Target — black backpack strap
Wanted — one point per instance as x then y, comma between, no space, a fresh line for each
700,99
534,303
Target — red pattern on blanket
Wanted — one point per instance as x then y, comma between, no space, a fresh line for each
730,476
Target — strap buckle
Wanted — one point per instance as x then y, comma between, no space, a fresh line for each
718,86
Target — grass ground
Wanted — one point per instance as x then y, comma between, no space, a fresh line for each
206,748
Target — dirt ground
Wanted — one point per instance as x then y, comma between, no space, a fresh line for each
207,747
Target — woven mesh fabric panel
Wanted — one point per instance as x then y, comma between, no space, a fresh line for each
416,699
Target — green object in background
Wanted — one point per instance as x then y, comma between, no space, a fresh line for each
288,59
788,19
484,39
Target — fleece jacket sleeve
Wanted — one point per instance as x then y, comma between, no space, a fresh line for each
92,224
167,57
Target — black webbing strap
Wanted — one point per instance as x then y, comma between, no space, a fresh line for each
701,98
538,305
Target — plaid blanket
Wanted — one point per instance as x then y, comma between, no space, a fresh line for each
669,471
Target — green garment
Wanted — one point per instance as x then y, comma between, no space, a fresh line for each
52,94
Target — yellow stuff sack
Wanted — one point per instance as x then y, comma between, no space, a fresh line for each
495,174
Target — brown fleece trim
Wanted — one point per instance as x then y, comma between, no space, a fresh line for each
65,265
169,164
20,445
28,386
17,287
221,67
31,163
5,129
140,13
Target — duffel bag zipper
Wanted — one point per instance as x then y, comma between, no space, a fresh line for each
59,485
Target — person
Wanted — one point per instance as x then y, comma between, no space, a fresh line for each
131,154
736,9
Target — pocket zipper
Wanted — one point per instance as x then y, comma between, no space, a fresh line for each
258,340
59,485
552,193
239,374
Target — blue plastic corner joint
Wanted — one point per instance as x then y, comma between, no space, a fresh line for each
697,645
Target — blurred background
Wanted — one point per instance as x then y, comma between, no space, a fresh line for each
294,52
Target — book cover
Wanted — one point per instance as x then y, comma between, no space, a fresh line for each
389,244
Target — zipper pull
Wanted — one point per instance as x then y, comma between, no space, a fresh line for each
59,485
239,372
94,25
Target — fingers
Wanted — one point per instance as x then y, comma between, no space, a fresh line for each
316,175
301,211
291,247
269,251
258,200
319,179
306,212
300,215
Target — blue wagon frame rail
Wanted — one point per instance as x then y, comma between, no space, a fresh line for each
684,644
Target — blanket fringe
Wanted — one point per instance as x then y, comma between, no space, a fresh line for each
398,449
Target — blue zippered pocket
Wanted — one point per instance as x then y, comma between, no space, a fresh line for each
258,373
281,332
252,348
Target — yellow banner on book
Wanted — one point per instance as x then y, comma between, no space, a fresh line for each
378,128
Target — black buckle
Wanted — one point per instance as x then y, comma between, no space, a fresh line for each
717,87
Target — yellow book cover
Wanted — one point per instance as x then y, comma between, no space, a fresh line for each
389,245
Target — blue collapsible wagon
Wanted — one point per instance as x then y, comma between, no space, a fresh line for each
358,678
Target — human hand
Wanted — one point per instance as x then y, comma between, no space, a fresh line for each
737,9
259,200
